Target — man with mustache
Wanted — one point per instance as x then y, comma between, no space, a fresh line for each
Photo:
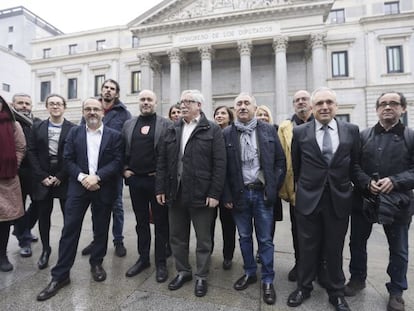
93,153
115,115
256,168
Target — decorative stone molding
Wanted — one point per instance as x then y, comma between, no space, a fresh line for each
316,40
206,52
280,43
156,66
175,55
245,48
144,59
210,7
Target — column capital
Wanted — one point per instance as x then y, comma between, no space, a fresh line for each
245,47
144,59
280,43
316,40
206,52
175,55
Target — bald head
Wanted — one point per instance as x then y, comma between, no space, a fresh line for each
302,104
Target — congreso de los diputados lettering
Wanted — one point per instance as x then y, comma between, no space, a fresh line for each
270,48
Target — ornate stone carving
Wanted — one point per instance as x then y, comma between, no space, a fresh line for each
210,7
280,43
175,55
144,59
316,40
156,66
206,52
245,48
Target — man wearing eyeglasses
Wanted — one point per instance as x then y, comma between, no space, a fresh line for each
190,175
387,174
93,153
45,153
115,115
141,136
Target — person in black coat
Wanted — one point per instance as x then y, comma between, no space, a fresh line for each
45,153
190,175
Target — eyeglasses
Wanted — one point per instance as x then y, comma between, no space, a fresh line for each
304,99
392,104
89,109
52,104
188,102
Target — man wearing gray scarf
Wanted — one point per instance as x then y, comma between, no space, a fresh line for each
256,168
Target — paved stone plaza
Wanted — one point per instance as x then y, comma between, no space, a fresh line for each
19,288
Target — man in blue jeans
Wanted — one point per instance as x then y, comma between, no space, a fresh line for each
387,177
256,167
116,114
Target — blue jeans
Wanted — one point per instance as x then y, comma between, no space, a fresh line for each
118,216
397,236
255,210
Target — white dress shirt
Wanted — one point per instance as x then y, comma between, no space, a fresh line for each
93,144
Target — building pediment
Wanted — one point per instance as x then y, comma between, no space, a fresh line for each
174,14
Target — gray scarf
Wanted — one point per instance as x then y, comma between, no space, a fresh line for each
248,152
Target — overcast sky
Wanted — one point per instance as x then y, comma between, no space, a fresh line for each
79,15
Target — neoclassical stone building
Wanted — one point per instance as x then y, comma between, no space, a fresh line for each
270,48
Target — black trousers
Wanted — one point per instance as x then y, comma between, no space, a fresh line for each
142,191
45,208
75,209
229,231
321,230
4,237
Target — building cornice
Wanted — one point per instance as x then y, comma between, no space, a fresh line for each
237,17
387,18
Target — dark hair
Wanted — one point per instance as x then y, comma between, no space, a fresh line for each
177,106
55,95
118,89
229,112
403,100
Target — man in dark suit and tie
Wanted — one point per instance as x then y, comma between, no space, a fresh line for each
324,157
93,154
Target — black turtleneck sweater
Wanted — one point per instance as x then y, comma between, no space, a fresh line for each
142,160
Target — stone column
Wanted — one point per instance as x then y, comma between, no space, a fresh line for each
281,108
206,53
245,50
175,74
316,42
144,60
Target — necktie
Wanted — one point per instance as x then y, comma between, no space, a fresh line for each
327,144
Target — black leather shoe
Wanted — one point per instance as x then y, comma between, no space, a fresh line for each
44,259
5,264
33,238
353,287
26,251
179,281
200,288
87,250
227,263
161,275
98,273
297,297
137,268
120,249
339,303
292,274
52,289
244,282
269,294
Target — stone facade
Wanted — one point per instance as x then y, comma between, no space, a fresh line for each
222,47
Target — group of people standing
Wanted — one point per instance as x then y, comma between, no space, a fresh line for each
186,169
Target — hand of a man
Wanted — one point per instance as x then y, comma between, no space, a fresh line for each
211,202
228,205
90,181
160,199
